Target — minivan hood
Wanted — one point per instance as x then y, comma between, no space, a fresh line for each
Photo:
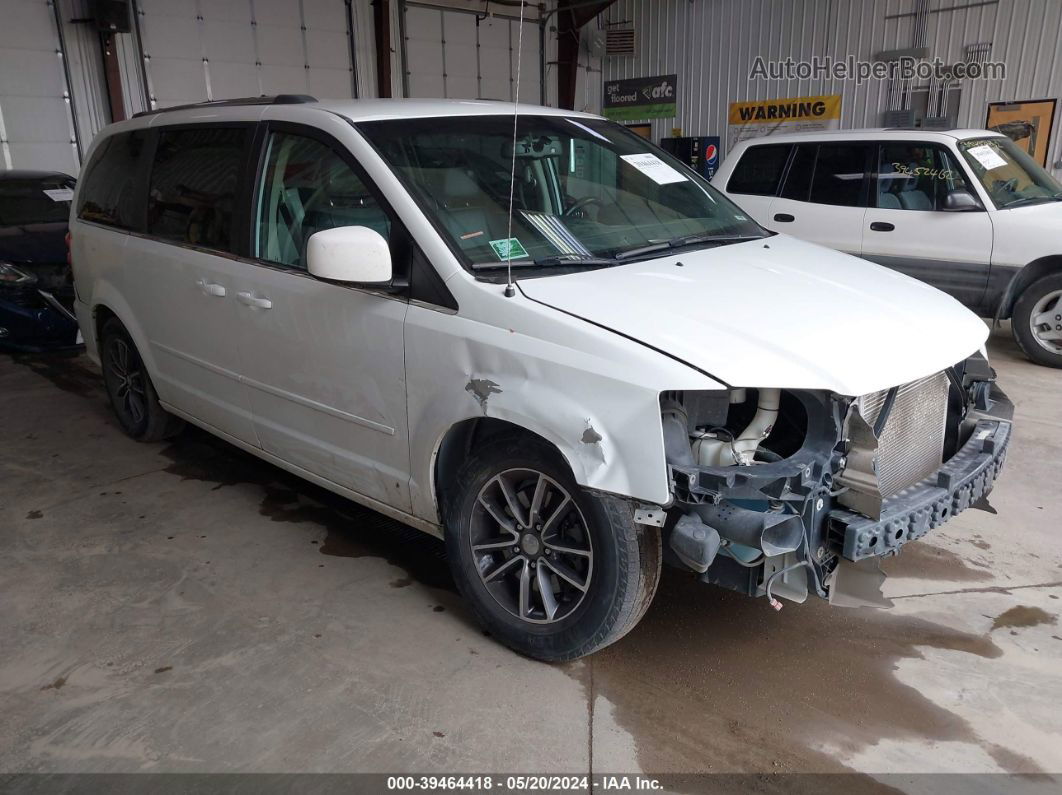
775,312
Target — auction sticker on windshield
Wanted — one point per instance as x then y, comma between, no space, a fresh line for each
654,168
987,156
59,194
508,249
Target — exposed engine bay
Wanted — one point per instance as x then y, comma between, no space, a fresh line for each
785,492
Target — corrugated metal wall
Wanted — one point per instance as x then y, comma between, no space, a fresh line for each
712,44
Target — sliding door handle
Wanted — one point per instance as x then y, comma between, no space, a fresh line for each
249,299
216,290
784,218
882,226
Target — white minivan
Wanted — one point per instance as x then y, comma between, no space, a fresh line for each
967,211
538,337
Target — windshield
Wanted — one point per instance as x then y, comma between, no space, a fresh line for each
35,201
587,193
1010,176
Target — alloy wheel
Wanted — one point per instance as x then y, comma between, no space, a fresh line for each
1045,321
127,381
531,546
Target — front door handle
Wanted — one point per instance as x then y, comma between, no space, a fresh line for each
257,303
216,290
784,218
882,226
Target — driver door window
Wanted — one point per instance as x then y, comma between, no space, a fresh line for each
305,188
913,176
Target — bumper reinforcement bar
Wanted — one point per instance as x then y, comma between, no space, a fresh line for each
913,512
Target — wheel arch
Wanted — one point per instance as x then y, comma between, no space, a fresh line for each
108,303
464,436
1023,278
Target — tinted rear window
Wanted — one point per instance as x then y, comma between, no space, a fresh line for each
194,185
109,188
839,174
35,201
798,180
759,171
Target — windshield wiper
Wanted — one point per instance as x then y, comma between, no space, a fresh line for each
569,259
554,260
686,240
1031,200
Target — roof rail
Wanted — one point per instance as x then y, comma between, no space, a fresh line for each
278,99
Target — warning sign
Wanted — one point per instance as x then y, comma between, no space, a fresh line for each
769,117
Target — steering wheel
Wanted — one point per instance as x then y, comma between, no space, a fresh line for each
1007,186
580,205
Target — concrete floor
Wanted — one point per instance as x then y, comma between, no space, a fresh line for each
183,607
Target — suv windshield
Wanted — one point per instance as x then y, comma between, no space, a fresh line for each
35,201
1010,176
586,193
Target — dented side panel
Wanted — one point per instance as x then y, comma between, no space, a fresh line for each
591,393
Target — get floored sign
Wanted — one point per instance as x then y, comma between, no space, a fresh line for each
767,117
641,98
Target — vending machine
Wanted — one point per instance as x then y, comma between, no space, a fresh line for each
700,153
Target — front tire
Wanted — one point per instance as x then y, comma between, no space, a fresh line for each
1037,320
132,395
551,570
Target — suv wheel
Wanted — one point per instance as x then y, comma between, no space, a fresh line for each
129,388
553,571
1037,320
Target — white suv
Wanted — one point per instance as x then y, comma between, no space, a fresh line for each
327,286
964,210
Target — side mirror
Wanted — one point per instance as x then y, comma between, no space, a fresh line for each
349,254
960,201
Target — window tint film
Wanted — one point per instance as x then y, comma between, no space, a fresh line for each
35,201
305,188
194,185
798,180
839,173
759,171
109,187
913,176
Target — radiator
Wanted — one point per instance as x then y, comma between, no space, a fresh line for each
911,445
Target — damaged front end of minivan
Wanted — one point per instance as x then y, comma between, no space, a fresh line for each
779,493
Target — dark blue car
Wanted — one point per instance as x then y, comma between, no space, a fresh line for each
36,289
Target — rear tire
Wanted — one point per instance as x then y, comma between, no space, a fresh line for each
556,583
132,395
1037,320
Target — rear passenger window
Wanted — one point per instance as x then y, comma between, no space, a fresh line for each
305,188
109,185
839,173
759,171
801,170
194,185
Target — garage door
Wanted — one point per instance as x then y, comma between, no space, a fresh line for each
36,125
196,50
465,55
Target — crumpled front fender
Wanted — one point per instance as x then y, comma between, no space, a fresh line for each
596,399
